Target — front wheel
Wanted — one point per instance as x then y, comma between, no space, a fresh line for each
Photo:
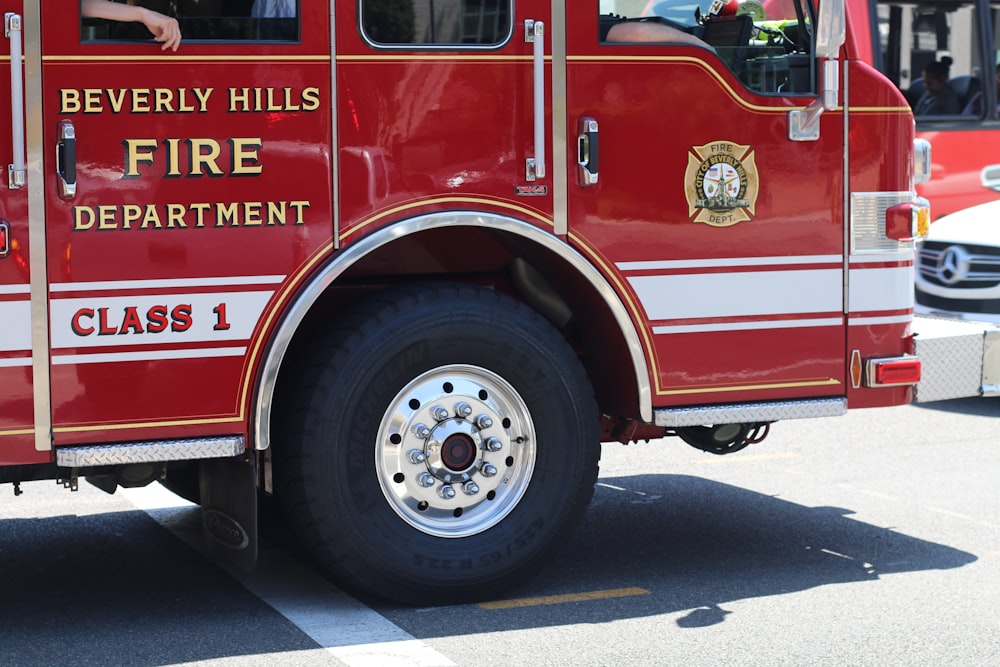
444,439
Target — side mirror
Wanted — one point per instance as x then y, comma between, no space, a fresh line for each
831,31
831,28
990,177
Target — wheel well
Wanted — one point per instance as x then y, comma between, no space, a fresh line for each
483,255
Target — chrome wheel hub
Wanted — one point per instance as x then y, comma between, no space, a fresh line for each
455,451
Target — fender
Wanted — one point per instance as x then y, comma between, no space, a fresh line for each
358,250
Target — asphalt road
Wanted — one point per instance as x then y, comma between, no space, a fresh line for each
870,539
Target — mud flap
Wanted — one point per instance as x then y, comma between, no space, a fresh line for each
229,510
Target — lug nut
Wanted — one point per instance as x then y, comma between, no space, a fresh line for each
421,431
426,480
439,413
446,491
463,409
488,470
470,488
493,445
416,456
483,421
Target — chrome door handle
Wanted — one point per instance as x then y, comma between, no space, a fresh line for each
587,153
66,159
990,177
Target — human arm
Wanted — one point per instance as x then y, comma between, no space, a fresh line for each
950,104
164,28
647,31
945,104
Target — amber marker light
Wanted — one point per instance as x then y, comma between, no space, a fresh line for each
909,221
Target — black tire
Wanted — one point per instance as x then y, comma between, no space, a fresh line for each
351,486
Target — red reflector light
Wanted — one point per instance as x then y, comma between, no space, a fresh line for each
894,371
909,221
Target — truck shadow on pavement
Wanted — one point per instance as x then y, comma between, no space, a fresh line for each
114,587
696,544
979,406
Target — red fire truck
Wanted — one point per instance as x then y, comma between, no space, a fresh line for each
403,265
900,38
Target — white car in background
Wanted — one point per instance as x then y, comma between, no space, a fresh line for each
958,265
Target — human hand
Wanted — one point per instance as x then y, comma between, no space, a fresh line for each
164,28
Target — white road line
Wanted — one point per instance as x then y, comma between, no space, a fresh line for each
873,494
350,631
954,514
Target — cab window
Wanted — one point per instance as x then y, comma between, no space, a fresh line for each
205,21
767,45
436,22
938,53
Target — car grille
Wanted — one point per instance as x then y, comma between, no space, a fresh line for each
985,306
978,266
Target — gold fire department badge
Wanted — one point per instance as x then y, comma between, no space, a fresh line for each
721,183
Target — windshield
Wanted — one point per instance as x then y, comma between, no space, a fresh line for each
686,12
767,44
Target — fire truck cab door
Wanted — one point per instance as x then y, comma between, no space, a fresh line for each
183,192
17,432
727,235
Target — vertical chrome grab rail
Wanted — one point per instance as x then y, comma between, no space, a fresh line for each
16,171
534,31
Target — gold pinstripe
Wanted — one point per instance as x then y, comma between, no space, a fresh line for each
17,432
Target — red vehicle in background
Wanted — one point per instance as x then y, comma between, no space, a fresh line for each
900,39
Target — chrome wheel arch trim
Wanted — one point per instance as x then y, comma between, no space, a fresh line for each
348,257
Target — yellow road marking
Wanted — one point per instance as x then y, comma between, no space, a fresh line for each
561,599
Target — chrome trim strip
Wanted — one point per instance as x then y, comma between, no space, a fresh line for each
334,135
38,264
560,180
150,452
13,26
846,219
739,413
358,250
